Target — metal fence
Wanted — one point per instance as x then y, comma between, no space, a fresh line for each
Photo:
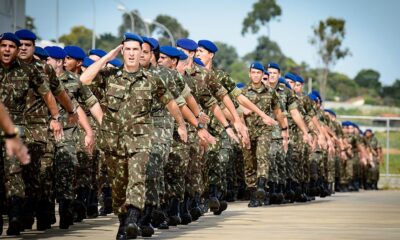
387,130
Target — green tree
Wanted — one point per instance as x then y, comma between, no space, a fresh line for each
225,56
368,78
341,87
126,25
239,71
391,94
172,24
107,41
30,25
262,13
328,38
80,36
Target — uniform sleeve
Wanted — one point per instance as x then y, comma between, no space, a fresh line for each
55,84
87,96
160,90
215,87
291,100
229,84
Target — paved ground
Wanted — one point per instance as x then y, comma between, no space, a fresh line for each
364,215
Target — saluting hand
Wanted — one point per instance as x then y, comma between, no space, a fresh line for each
113,53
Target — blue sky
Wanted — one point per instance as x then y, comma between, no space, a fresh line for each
373,35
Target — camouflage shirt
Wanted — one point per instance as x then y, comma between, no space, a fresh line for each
15,84
288,101
127,123
267,100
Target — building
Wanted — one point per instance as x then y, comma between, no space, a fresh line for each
12,15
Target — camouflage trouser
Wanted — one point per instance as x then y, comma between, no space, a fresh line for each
128,177
256,160
213,160
338,172
315,165
31,172
83,170
239,178
373,172
289,164
175,170
297,155
232,172
155,186
226,153
103,177
278,163
13,182
306,151
194,181
47,173
330,168
65,161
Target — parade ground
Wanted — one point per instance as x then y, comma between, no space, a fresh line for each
362,215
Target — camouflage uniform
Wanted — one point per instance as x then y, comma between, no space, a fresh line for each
127,131
15,84
373,172
257,159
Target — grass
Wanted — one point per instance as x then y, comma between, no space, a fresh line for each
394,139
394,164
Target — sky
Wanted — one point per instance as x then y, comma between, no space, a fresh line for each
372,31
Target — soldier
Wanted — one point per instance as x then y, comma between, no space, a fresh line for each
18,80
40,54
126,128
256,157
38,175
373,171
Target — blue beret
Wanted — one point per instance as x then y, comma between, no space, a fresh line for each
313,97
258,66
316,93
98,52
330,112
274,65
56,52
291,76
240,85
25,34
282,80
153,42
182,55
210,46
170,51
132,37
115,62
345,124
87,62
75,52
198,62
187,44
299,79
266,72
41,53
10,37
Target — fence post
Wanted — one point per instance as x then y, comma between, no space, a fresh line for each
387,146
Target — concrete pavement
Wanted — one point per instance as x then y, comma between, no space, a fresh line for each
363,215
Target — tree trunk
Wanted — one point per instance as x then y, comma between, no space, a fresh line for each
322,82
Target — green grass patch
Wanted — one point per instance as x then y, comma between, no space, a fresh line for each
394,164
394,139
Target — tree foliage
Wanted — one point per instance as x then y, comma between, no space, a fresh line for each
368,78
107,41
126,25
262,13
225,56
328,38
80,36
175,27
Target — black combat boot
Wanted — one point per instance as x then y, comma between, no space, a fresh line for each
186,218
213,202
79,204
132,217
159,218
14,215
260,192
43,215
27,217
173,213
92,204
52,212
280,196
146,228
121,234
289,193
107,200
195,210
66,214
253,199
273,195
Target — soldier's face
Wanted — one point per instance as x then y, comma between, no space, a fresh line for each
94,57
351,129
187,52
291,82
274,75
146,55
182,65
71,64
166,61
204,55
131,53
256,75
54,62
8,52
298,87
26,50
368,134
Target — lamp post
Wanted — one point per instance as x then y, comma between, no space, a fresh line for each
122,8
162,26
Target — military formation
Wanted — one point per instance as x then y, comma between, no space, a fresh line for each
162,137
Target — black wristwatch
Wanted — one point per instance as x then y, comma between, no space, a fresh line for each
73,111
285,128
200,126
227,126
56,118
12,135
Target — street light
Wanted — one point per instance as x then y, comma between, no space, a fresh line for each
162,26
122,8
